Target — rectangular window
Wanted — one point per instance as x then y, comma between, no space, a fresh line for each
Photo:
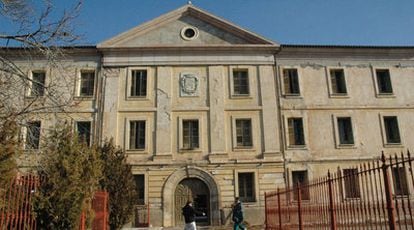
140,188
291,81
384,81
138,83
351,183
301,178
246,187
400,181
241,82
295,130
83,129
32,135
137,135
244,133
392,132
38,83
346,136
87,83
190,134
338,81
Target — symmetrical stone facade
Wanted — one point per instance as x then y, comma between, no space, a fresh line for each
190,96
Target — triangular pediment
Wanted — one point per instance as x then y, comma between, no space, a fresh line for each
169,30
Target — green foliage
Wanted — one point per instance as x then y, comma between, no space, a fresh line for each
9,148
71,171
119,182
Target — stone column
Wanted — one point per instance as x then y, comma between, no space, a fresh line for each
271,138
216,79
163,137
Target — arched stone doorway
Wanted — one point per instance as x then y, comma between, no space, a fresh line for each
170,186
197,191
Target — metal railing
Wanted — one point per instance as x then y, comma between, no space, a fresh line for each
375,195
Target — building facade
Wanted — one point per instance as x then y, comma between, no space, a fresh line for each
209,111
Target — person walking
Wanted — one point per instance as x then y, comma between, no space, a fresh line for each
189,216
238,215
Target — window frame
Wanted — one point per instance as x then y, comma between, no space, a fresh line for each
235,142
255,183
91,129
250,76
283,85
354,180
79,83
305,195
337,136
405,190
29,91
384,132
333,94
182,130
378,92
127,134
288,141
26,132
180,140
128,89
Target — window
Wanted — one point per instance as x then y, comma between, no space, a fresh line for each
295,130
246,187
392,132
140,188
137,135
346,136
301,178
244,133
291,81
87,83
351,183
400,181
241,82
83,129
190,134
38,83
138,83
383,81
338,81
32,135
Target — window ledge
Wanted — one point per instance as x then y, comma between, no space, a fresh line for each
346,146
292,96
392,145
84,98
241,96
385,95
339,96
194,150
299,147
137,151
137,98
244,149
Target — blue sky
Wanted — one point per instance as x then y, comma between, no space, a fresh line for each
328,22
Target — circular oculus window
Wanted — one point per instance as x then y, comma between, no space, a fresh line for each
189,33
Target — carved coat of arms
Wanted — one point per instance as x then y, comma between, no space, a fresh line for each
188,84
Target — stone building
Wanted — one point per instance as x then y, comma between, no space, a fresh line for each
209,111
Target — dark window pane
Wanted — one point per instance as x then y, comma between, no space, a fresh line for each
139,83
33,135
301,178
295,129
137,135
140,186
345,130
246,187
38,84
400,181
384,81
291,81
244,132
338,81
351,183
84,131
87,83
241,82
391,130
190,134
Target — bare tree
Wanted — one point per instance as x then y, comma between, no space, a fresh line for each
38,38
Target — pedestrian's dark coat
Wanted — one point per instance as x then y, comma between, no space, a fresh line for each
189,213
237,213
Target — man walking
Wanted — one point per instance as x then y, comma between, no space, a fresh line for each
189,216
238,215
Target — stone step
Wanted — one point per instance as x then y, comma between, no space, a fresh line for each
226,227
